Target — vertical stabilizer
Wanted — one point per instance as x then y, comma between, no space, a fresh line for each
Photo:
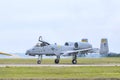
104,49
84,40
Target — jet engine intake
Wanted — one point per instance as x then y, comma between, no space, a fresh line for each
69,44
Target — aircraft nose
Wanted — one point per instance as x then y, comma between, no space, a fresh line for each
27,52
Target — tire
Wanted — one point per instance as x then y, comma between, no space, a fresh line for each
38,62
56,61
74,61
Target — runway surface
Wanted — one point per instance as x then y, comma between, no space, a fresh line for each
54,65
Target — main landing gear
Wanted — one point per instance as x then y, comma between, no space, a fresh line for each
74,61
57,60
39,59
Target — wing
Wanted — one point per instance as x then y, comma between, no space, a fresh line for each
75,51
5,54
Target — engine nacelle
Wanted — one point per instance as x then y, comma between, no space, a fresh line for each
82,45
84,40
69,44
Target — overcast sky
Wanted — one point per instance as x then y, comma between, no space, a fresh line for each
58,21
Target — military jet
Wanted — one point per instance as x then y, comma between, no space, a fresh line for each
69,49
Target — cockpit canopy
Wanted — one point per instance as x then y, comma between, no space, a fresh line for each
41,44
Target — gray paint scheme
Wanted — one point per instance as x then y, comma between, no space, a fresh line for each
69,49
44,48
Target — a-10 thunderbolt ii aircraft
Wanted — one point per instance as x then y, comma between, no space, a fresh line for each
69,49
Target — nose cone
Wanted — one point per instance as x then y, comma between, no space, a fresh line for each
27,52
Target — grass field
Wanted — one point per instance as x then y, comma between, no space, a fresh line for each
63,61
59,72
85,72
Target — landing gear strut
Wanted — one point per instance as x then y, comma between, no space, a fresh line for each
57,60
39,59
74,61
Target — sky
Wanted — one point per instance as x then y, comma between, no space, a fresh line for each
58,21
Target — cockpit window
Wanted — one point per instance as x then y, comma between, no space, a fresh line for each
38,45
41,44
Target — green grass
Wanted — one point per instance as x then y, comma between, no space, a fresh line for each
60,72
63,61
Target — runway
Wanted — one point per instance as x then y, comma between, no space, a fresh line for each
55,65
